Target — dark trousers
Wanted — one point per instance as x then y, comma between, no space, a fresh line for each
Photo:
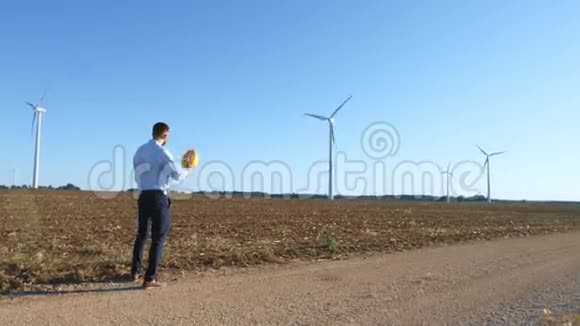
154,206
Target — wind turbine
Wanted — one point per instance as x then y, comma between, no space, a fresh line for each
14,177
449,175
486,164
37,110
332,139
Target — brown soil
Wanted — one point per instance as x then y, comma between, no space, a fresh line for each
53,237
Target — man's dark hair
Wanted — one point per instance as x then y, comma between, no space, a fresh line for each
159,129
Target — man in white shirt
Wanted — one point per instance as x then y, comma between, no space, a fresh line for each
155,169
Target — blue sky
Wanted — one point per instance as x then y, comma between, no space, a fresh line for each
233,79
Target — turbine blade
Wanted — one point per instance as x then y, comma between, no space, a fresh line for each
319,117
332,132
43,95
30,104
484,152
496,153
340,107
449,167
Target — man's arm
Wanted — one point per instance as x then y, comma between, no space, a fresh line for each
139,168
171,169
135,168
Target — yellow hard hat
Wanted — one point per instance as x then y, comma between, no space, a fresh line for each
193,159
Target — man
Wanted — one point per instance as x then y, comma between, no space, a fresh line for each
155,169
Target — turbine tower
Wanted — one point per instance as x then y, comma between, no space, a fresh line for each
449,175
14,177
37,111
331,141
486,164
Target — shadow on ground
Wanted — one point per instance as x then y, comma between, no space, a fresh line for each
38,293
111,285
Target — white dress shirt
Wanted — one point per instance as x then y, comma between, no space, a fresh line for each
155,168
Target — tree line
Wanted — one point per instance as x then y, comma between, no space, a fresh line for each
68,186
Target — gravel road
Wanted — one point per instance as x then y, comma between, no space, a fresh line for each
504,282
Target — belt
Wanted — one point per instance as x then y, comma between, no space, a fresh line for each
154,191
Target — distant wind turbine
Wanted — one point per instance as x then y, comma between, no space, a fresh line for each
38,110
449,175
332,139
14,177
486,164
